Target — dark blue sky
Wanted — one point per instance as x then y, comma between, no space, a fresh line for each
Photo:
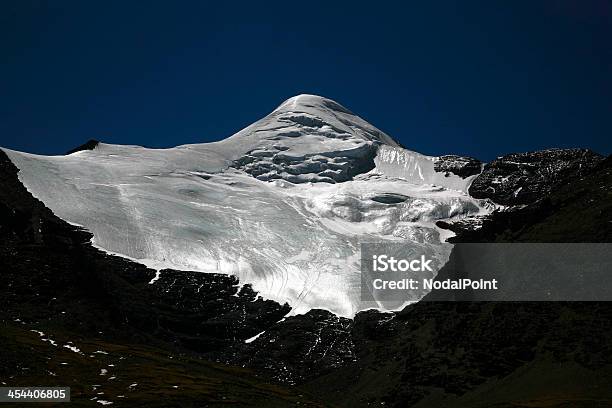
473,77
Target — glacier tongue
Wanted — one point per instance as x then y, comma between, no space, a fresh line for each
294,238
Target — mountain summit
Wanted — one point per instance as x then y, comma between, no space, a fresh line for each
309,138
283,204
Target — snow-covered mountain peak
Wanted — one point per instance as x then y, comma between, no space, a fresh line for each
305,102
309,138
312,115
282,204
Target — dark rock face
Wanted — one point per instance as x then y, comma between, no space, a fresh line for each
433,354
89,145
459,165
523,178
463,226
298,348
578,211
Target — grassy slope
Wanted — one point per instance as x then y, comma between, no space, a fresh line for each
163,378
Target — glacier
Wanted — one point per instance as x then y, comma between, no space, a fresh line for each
283,204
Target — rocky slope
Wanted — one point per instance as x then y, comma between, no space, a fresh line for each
577,210
523,178
459,165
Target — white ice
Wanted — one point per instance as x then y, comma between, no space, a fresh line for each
186,208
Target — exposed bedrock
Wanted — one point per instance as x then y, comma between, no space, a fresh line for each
299,348
89,145
523,178
461,166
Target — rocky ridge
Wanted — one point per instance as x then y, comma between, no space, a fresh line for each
523,178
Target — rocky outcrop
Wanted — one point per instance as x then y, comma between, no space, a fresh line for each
461,166
580,210
89,145
299,348
523,178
